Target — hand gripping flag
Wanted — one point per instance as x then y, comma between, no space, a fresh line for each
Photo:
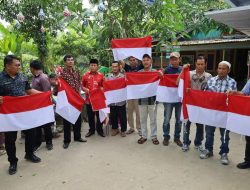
136,47
26,112
69,102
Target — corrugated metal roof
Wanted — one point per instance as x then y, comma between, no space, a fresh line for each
214,41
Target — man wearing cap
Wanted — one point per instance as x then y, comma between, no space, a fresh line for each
246,163
220,83
90,81
72,77
173,68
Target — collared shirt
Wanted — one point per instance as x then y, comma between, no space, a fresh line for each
72,77
111,76
13,86
150,100
92,81
199,82
215,84
246,89
172,70
41,82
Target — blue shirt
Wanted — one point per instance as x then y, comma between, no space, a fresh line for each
246,89
215,84
171,70
13,86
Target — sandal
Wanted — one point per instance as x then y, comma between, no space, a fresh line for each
155,141
130,131
141,140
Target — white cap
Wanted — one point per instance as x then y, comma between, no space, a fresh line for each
225,63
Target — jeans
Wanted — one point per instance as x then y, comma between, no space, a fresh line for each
118,112
168,109
151,111
210,139
199,134
247,150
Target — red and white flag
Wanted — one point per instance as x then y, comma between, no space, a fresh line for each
142,84
208,108
238,119
184,84
69,103
136,47
26,112
115,90
167,90
98,103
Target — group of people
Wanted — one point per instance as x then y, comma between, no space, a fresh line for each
14,83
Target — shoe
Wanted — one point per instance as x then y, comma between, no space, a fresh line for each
81,140
114,132
89,134
32,157
123,134
13,168
224,159
185,148
65,145
165,142
199,147
49,146
101,134
243,165
206,154
178,142
130,131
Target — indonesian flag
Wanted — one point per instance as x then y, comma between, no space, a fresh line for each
184,84
238,119
207,108
136,47
115,90
142,84
167,90
98,103
69,102
26,112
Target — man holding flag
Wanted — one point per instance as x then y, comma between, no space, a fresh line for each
14,83
220,83
246,163
198,81
72,77
90,81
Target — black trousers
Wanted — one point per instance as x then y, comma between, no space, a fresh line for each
10,143
47,133
76,128
91,118
247,150
118,113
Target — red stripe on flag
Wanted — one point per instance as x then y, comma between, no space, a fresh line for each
132,42
25,103
74,98
239,104
169,80
205,99
97,99
115,84
141,78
